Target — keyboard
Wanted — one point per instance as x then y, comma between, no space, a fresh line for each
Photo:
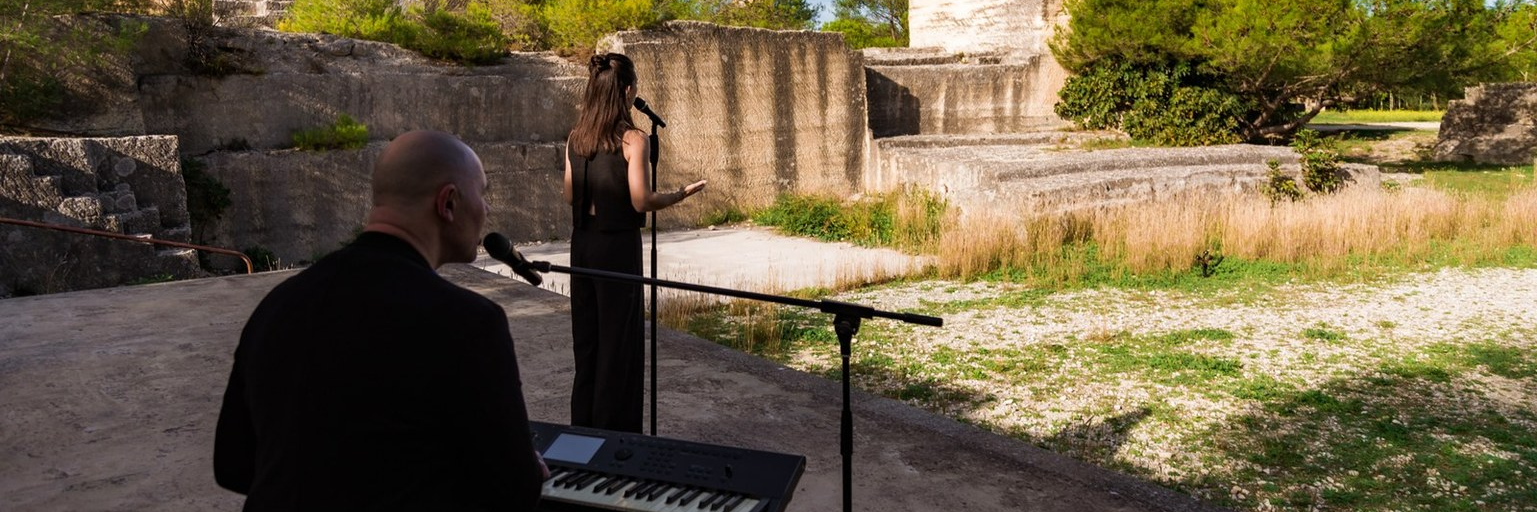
593,469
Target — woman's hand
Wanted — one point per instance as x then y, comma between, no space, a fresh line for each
693,188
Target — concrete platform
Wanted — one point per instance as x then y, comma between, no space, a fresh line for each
744,258
110,398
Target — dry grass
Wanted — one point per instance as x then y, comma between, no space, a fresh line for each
754,326
1323,232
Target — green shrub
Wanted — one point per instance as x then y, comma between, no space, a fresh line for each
207,198
859,34
49,65
1320,162
1164,105
1279,186
908,219
262,258
472,35
577,25
345,133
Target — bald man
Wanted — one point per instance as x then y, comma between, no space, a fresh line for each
368,382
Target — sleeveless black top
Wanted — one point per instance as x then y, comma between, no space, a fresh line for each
603,182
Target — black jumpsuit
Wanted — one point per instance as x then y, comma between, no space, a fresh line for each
606,316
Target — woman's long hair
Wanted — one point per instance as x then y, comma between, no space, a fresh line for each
605,114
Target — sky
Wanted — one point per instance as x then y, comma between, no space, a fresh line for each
824,10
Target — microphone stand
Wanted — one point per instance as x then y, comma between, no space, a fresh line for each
656,148
846,319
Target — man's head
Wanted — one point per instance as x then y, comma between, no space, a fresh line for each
429,188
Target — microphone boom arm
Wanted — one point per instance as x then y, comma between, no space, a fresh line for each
826,306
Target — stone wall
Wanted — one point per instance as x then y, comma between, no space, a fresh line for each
1019,27
975,66
757,112
931,96
129,186
293,82
1493,124
301,205
1041,171
764,112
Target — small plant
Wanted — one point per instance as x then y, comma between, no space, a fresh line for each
1279,186
1320,162
207,198
262,259
910,218
1322,332
1208,262
727,215
345,133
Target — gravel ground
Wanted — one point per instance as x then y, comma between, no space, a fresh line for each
1327,338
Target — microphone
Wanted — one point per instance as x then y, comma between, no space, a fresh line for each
641,105
500,247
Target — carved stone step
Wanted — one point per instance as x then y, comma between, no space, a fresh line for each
146,220
22,185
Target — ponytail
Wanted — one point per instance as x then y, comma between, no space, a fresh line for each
605,112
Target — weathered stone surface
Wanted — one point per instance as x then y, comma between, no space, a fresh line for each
1493,123
1016,26
129,185
305,81
996,174
301,205
958,99
1011,31
757,112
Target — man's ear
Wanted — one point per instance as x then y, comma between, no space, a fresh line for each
443,203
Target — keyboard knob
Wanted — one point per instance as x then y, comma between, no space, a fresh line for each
728,471
623,454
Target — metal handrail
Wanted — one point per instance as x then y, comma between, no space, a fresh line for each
130,238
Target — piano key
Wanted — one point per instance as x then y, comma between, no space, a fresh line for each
635,491
657,492
706,502
665,475
671,498
590,481
604,486
564,478
690,496
619,486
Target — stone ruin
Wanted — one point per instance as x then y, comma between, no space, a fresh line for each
1492,124
759,113
129,186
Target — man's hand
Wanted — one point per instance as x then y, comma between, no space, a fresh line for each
544,471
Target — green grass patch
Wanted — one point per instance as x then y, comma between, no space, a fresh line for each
908,219
1378,116
1489,180
345,133
1397,444
1323,332
1159,358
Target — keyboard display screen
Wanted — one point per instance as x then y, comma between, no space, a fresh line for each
573,448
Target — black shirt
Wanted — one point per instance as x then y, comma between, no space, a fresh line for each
368,382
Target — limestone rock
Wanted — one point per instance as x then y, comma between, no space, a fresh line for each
1493,124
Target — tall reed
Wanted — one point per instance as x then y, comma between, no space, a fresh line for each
1325,233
